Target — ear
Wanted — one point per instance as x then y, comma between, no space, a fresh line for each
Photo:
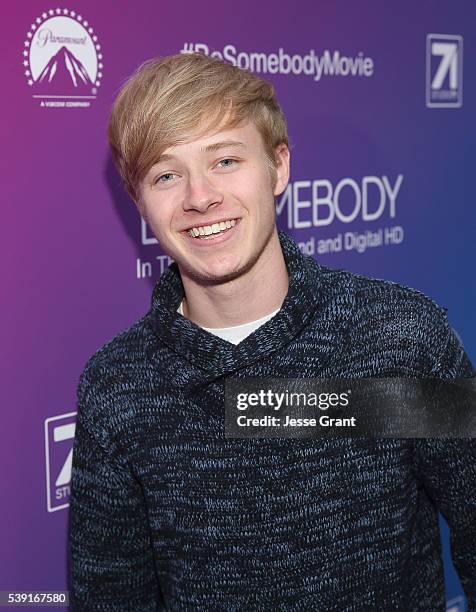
283,157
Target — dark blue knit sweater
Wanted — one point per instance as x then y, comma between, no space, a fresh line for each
166,513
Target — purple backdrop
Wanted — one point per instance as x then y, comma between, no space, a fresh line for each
382,180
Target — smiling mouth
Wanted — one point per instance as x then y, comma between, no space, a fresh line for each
205,232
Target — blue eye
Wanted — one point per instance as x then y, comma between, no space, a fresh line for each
228,160
158,179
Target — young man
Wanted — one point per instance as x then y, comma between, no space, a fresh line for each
167,513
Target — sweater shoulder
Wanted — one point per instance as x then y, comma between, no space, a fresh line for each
374,296
389,318
127,345
114,365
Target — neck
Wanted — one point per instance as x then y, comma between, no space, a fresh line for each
250,296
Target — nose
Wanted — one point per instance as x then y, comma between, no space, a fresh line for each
200,193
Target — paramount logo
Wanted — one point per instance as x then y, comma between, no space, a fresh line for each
62,59
65,70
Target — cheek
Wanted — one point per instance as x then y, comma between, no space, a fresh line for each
255,188
159,213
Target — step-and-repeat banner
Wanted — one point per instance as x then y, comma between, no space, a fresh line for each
380,101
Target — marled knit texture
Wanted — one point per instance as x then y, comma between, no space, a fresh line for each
168,514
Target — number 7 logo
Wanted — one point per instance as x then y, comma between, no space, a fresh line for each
448,64
444,71
59,438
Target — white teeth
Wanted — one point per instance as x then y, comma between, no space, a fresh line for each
215,228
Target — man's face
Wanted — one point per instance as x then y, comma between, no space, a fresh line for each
218,187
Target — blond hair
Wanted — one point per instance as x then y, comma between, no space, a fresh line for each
168,100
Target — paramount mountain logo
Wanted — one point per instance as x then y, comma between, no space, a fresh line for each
62,59
66,69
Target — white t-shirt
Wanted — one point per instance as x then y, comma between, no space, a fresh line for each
237,333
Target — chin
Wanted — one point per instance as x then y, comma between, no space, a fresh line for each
217,276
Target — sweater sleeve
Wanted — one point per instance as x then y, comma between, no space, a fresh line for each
110,553
447,470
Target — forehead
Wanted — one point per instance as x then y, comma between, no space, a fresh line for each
244,137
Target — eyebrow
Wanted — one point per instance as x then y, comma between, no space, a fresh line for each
208,149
